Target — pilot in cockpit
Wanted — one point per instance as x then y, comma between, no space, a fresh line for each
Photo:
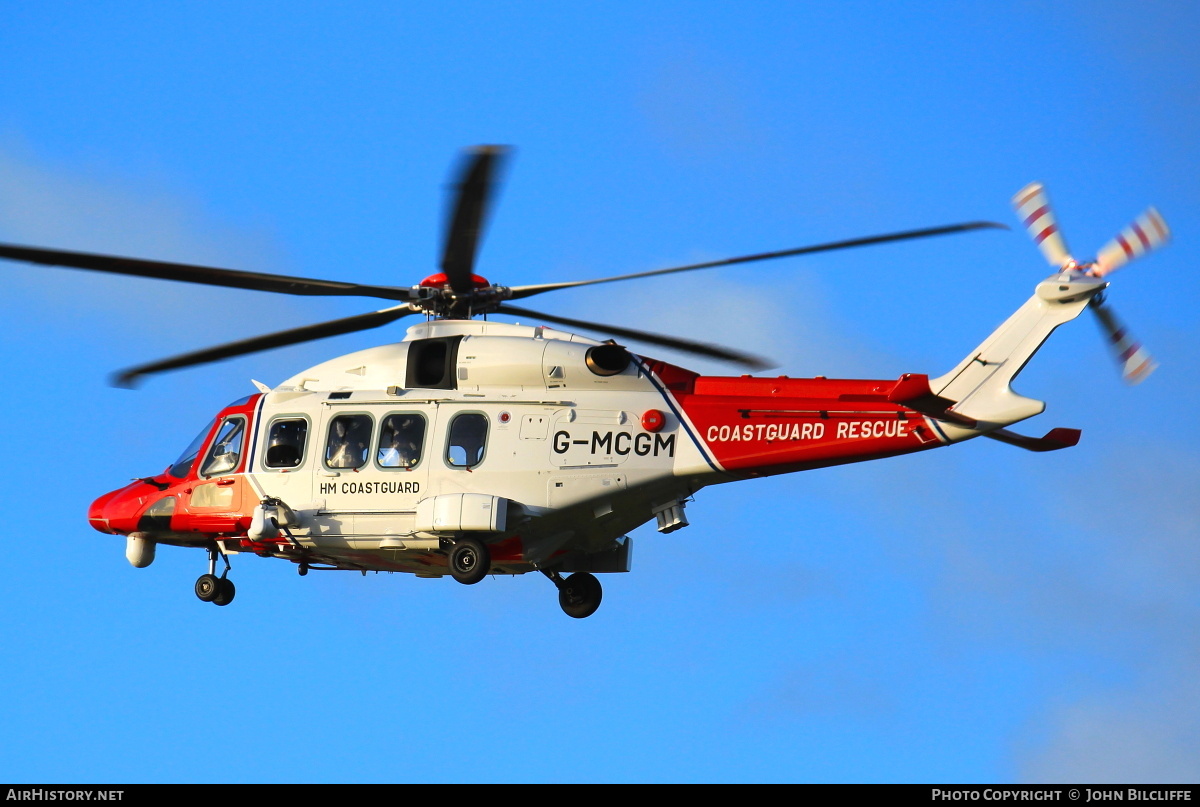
226,449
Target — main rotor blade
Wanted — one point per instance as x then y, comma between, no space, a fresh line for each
207,275
698,348
361,322
519,292
472,194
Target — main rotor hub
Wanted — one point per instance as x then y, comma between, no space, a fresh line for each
445,303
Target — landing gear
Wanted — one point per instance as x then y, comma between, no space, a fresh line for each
225,592
209,587
579,595
470,561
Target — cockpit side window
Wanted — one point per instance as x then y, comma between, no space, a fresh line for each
349,442
468,439
179,469
226,451
400,440
285,443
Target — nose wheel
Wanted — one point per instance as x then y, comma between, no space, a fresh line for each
209,587
579,595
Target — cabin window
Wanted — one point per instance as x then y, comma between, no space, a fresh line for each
349,441
226,449
400,440
468,438
179,469
285,443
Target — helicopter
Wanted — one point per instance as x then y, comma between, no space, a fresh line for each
474,447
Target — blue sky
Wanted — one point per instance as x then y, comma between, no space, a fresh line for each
977,613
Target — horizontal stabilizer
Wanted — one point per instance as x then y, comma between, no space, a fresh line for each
1053,441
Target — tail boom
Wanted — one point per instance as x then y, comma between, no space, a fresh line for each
753,426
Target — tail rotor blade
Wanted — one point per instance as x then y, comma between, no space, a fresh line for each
1148,232
1033,208
1135,361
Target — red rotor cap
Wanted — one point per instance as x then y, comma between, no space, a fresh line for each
440,281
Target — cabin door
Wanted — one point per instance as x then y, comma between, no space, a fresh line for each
373,466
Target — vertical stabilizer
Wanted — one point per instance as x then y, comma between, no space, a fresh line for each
981,385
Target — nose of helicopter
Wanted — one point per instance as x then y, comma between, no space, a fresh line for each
117,511
96,513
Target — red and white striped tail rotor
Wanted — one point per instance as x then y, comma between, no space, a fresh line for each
1135,361
1033,207
1148,232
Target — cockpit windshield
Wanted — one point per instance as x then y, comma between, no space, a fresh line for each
179,469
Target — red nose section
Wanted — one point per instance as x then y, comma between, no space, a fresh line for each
96,512
118,512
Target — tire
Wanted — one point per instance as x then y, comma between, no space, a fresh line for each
580,595
225,592
469,561
207,587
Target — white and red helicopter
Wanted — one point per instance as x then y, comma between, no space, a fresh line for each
474,447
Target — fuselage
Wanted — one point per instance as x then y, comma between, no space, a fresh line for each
548,446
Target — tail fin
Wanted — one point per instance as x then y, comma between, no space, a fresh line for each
980,387
981,384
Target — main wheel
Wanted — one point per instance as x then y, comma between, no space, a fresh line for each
207,587
469,561
580,595
225,592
